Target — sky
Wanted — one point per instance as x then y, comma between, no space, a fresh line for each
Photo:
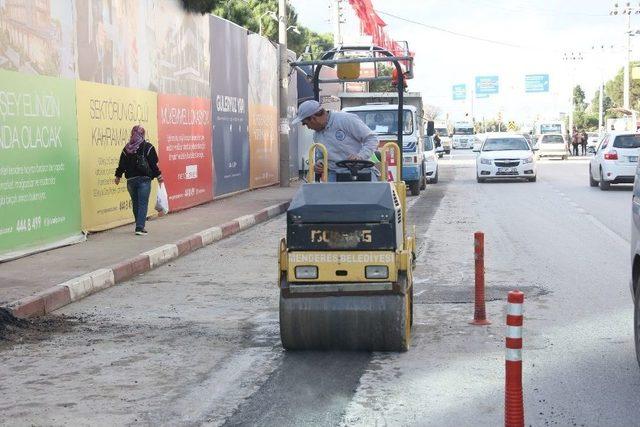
532,38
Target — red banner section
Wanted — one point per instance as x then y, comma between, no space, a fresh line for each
184,136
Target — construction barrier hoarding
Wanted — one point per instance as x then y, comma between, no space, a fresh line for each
184,135
106,115
39,202
229,87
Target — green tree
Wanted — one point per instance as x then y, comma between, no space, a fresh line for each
607,103
614,89
578,99
249,13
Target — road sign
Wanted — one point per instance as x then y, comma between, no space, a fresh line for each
486,85
536,83
459,92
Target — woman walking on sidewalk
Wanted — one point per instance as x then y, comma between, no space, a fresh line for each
139,163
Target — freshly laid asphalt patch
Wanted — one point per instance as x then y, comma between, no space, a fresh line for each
439,294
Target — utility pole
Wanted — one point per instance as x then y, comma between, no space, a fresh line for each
336,12
628,10
572,58
285,171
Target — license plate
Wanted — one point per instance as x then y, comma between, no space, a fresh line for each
508,170
633,159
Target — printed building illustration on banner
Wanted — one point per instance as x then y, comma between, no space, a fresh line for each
181,54
115,42
106,115
229,87
184,139
263,111
38,164
38,37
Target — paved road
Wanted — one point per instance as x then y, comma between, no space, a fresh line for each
197,341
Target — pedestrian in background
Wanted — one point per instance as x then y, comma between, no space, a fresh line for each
583,142
139,163
575,141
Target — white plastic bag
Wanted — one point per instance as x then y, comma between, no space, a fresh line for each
162,199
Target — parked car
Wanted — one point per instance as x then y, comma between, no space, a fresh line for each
552,145
505,155
430,161
615,160
635,261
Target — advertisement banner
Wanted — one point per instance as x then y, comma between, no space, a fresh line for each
115,40
181,64
38,163
106,115
229,87
292,111
534,83
263,111
184,140
487,85
38,37
459,92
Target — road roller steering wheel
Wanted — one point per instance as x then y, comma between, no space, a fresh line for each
355,166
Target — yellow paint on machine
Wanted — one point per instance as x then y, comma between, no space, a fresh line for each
333,265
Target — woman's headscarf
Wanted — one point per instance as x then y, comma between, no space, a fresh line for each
137,138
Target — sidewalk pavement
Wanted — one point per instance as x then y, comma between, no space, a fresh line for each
40,283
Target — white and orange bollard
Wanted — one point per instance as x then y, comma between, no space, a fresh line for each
513,401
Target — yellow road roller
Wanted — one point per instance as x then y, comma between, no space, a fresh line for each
346,264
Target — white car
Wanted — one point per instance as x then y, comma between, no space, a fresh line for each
592,139
615,160
430,161
552,145
505,156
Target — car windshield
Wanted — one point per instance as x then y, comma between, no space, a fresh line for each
550,128
385,122
552,139
504,144
428,144
627,141
463,131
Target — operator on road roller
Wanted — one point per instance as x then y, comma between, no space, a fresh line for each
344,135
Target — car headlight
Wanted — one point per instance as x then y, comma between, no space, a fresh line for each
527,160
485,161
376,271
306,272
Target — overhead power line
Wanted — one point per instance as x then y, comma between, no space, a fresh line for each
455,33
519,8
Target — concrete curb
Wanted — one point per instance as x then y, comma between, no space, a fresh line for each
80,287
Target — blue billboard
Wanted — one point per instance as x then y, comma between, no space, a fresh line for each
459,92
486,85
536,83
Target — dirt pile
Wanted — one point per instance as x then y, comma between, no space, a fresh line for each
14,330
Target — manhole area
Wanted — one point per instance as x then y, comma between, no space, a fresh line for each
434,294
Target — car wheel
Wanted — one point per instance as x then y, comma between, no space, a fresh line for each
480,180
423,181
533,179
415,188
604,185
564,157
435,177
592,182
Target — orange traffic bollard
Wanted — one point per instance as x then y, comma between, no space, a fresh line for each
480,314
513,401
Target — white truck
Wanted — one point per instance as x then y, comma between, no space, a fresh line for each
379,111
442,129
463,135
